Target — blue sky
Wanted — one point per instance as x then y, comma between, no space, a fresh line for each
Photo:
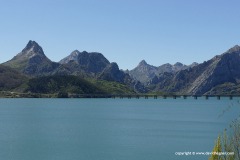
125,31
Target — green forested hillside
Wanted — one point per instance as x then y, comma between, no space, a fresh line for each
112,87
10,79
74,85
68,84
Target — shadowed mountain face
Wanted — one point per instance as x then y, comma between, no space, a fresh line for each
92,63
203,77
32,61
112,73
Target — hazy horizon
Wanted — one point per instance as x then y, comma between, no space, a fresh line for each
125,32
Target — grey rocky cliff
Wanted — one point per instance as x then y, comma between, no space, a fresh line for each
145,72
92,63
112,73
202,78
72,57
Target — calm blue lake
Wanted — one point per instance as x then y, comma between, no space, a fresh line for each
111,129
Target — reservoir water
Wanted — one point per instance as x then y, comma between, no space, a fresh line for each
112,129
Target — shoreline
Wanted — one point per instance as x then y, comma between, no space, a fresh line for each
8,94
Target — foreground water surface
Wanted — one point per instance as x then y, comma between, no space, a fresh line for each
111,129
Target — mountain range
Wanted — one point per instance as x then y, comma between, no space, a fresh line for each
144,72
203,78
219,75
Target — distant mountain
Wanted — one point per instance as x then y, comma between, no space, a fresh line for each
171,68
193,64
145,72
32,61
222,69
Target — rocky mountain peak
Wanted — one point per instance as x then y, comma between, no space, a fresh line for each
178,64
193,64
142,63
72,57
32,60
236,48
114,66
75,53
32,47
84,52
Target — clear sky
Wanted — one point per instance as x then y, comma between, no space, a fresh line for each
124,31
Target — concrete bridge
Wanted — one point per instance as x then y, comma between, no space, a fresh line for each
121,96
147,96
